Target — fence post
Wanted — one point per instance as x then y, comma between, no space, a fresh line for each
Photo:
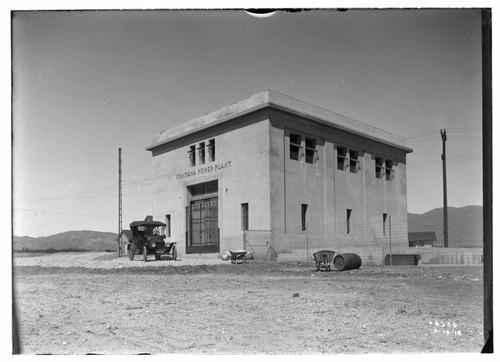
390,241
307,241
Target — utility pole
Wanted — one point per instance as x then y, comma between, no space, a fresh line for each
119,201
445,192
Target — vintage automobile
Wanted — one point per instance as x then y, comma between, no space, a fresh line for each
147,239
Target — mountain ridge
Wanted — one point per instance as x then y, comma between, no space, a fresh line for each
465,225
465,229
75,239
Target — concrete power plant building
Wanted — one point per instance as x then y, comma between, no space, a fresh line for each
274,172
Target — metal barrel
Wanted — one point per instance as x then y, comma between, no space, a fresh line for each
347,261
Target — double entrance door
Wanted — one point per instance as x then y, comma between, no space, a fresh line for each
203,226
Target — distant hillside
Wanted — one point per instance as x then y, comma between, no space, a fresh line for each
465,225
465,229
28,242
82,239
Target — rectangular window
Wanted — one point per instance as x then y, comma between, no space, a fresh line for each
353,161
211,150
348,220
389,172
304,216
192,155
295,146
201,153
384,221
203,188
341,158
244,216
379,165
310,150
167,227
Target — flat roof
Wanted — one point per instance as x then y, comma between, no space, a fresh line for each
273,99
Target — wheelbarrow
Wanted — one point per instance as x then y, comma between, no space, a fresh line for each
323,259
238,256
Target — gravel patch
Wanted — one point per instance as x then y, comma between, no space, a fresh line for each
104,260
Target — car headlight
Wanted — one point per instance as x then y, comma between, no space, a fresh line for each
153,245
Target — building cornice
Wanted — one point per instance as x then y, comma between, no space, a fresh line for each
274,100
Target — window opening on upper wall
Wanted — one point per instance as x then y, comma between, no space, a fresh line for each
311,151
192,155
341,158
201,153
295,146
211,150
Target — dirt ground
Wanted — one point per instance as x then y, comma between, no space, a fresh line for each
85,303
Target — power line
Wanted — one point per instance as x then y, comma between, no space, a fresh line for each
423,134
71,195
73,208
424,139
471,136
478,129
427,134
71,214
100,197
436,163
146,180
58,213
80,195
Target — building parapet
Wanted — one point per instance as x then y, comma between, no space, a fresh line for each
275,100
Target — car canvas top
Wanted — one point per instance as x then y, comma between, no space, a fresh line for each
146,223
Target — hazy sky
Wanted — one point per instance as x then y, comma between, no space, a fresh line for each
87,83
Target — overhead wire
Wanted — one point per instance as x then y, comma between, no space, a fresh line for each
73,208
430,134
70,195
421,137
70,214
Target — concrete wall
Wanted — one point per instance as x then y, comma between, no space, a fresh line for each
241,167
253,166
329,192
375,256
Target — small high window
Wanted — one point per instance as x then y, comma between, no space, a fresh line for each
348,220
384,168
347,159
168,229
244,216
201,153
311,152
211,150
389,172
341,158
192,156
379,166
353,161
295,146
304,216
